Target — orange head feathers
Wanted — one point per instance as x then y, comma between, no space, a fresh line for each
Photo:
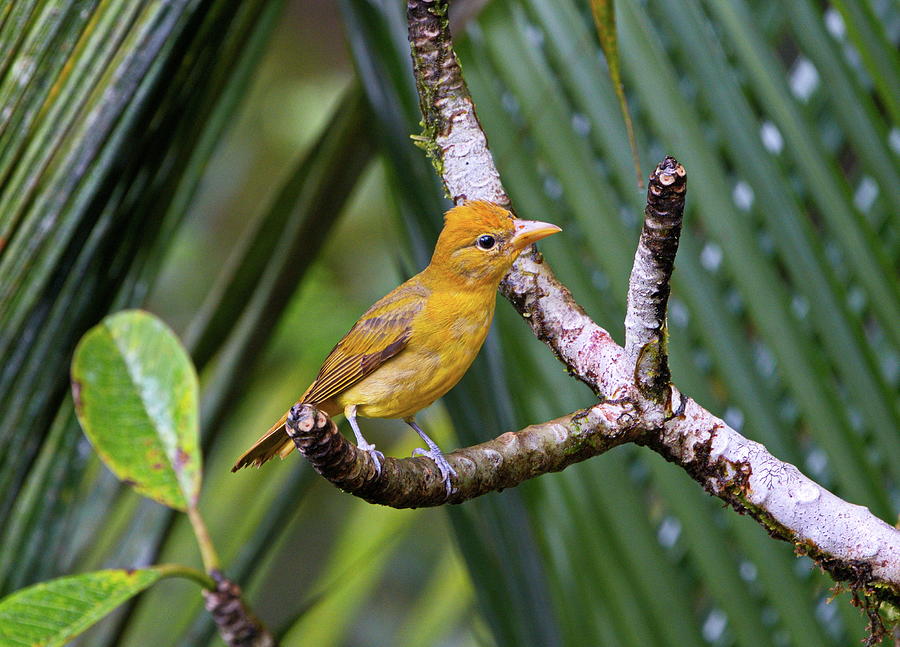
480,241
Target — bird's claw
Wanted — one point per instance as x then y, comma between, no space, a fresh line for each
446,470
377,456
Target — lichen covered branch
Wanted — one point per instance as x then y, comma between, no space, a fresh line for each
495,465
845,539
453,137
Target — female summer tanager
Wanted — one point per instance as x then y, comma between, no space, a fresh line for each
415,344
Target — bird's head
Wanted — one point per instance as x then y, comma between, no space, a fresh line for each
480,241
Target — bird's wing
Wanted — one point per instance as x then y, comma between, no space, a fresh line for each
382,332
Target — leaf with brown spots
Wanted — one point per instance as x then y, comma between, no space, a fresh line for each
135,393
53,613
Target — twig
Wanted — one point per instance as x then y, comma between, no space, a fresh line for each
237,626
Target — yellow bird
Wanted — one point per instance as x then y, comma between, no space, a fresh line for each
416,343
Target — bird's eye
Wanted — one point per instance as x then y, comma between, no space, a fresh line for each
485,242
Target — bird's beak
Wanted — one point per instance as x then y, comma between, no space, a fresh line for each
531,231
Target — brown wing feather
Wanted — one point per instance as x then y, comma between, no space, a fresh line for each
382,332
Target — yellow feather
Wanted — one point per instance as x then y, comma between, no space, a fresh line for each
416,343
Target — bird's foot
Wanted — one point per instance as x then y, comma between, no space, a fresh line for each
377,456
446,471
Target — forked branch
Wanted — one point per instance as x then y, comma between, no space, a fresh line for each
637,401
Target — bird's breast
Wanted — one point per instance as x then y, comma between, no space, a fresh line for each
443,344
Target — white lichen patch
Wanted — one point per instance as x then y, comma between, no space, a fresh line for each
494,457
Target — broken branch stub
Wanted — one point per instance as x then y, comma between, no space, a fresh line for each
646,334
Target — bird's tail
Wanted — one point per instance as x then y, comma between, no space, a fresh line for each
274,442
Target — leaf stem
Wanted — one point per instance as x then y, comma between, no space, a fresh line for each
189,572
207,550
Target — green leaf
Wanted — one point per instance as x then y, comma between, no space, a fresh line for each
135,394
54,612
141,160
604,12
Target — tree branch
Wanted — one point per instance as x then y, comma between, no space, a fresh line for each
453,137
457,145
845,539
495,465
637,401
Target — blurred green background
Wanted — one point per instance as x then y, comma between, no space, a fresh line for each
244,170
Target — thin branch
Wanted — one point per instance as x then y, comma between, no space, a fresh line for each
861,549
207,550
453,137
457,145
